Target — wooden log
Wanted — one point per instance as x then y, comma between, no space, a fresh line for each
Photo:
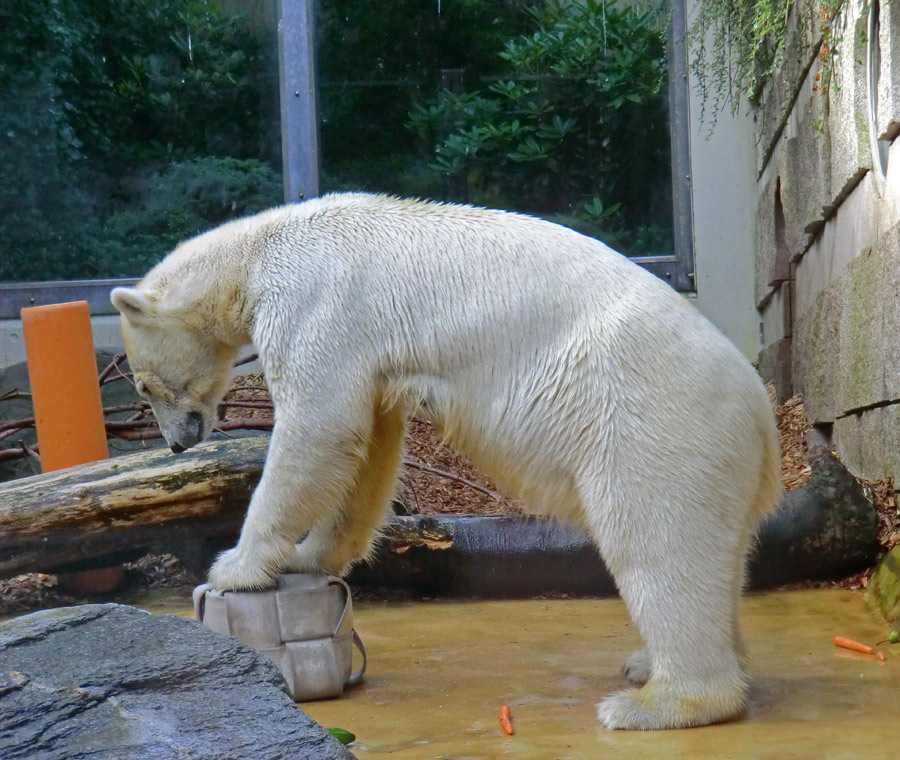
151,497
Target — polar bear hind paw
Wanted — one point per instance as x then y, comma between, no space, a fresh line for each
655,707
232,572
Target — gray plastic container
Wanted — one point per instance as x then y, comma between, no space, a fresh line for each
304,625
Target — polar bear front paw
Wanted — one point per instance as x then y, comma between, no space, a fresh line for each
232,571
305,559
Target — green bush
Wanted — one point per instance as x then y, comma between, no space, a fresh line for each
130,125
182,201
376,61
576,130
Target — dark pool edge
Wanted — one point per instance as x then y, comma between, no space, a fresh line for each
825,529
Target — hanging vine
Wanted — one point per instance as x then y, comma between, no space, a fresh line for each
737,45
829,48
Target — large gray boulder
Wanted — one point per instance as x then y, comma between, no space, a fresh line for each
110,682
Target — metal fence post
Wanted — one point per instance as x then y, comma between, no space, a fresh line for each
297,83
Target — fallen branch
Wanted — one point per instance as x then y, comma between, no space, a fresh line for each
449,476
143,430
141,426
131,501
110,368
31,452
9,455
13,393
246,360
260,404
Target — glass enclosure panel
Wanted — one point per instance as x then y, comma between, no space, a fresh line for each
128,126
557,108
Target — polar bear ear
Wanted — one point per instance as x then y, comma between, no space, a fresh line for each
132,304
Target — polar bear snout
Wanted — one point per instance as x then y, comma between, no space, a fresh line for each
188,433
183,432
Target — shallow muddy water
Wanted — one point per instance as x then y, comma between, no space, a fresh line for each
438,672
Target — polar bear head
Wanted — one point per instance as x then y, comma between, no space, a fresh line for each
178,367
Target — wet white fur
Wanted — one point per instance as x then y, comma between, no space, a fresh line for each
574,378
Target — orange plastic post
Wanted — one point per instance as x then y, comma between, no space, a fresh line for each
68,412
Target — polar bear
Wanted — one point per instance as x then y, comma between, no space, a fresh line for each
576,379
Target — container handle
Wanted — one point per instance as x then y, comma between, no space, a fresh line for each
199,596
344,621
357,677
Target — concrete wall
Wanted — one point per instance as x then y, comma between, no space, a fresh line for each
107,337
106,330
828,232
723,178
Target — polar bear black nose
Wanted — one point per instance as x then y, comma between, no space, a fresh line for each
193,432
177,448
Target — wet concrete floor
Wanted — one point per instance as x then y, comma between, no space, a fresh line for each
439,670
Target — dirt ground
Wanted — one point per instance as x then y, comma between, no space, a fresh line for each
795,471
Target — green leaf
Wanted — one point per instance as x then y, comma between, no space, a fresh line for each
342,735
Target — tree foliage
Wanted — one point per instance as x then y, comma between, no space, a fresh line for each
101,105
574,129
376,61
130,125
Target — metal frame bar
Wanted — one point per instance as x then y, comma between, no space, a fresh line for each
15,296
678,269
297,81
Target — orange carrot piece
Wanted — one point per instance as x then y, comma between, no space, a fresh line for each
504,713
506,720
856,646
880,656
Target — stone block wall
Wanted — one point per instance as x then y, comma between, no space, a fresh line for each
828,228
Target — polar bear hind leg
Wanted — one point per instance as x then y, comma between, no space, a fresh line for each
347,534
638,668
688,619
683,601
